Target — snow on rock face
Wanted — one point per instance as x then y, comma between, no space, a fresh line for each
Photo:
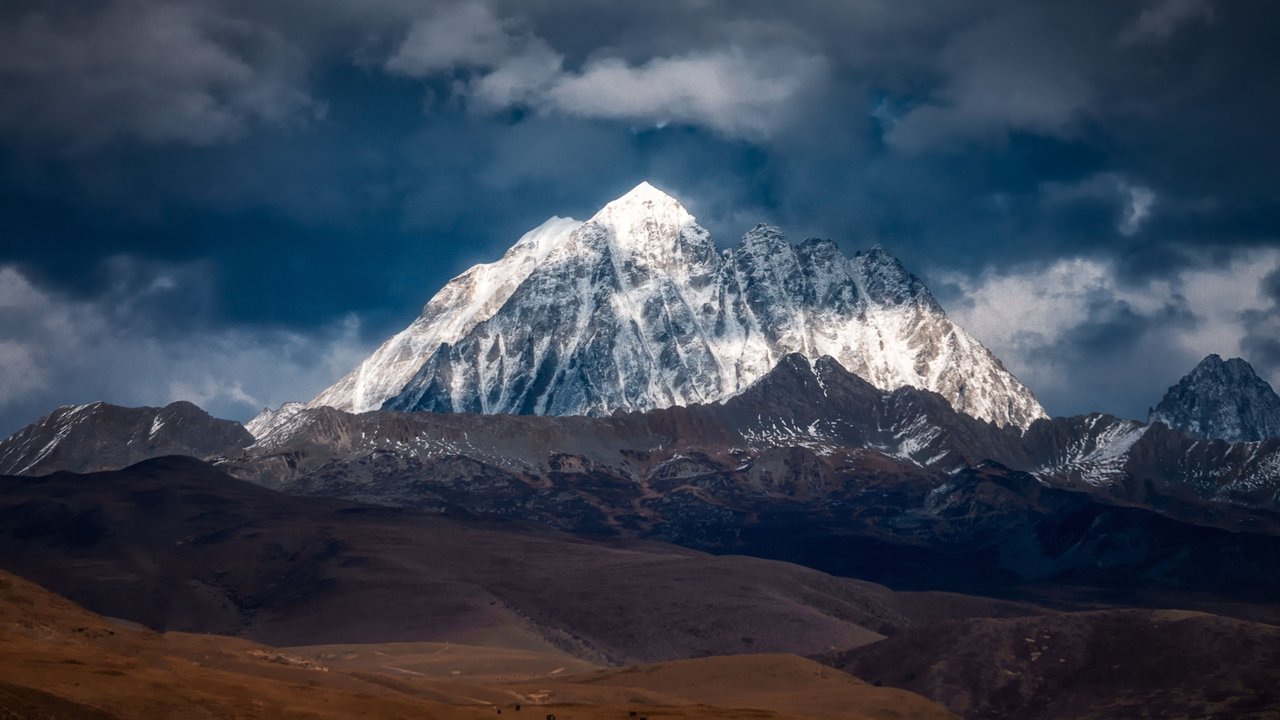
1221,399
466,300
269,420
100,436
636,309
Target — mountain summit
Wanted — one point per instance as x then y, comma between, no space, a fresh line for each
636,309
1222,399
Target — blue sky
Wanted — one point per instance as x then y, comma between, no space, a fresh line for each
232,203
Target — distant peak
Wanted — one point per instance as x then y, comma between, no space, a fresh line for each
643,217
644,194
770,236
1214,363
878,252
1221,399
795,360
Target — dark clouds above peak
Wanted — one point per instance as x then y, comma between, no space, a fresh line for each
302,176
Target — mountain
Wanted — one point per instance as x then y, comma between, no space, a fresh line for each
100,436
1222,399
636,309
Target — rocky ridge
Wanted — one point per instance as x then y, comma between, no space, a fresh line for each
100,436
1221,399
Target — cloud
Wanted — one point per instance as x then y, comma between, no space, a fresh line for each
156,73
1160,19
740,90
1131,203
56,350
1262,325
456,35
1140,201
740,94
1009,73
1085,339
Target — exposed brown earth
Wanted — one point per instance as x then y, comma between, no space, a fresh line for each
61,661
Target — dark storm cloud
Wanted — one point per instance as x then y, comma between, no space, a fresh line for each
1262,326
298,162
1097,353
87,74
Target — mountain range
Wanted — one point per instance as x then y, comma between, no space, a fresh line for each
812,464
618,444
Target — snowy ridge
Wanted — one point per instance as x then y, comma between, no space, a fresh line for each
268,421
819,436
99,436
636,309
63,420
1099,455
464,301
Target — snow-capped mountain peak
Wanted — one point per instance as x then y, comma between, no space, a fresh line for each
649,229
643,206
1223,399
637,309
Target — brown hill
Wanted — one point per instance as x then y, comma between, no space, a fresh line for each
58,660
1105,664
779,683
176,545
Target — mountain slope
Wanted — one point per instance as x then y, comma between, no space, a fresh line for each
1073,666
636,309
176,545
1221,399
468,299
100,436
58,660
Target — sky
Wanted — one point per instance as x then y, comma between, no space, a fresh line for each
233,202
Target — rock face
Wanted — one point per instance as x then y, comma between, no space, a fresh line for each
1222,399
268,420
100,436
636,309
